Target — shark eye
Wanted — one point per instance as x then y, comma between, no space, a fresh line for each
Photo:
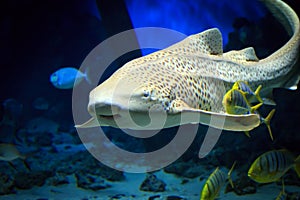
146,94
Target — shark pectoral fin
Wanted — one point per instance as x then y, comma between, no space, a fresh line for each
206,42
222,121
93,122
244,55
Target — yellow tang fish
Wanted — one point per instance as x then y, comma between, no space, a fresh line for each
272,165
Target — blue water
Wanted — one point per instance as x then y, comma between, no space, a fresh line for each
190,17
39,37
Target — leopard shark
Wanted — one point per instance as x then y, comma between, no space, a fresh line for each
186,82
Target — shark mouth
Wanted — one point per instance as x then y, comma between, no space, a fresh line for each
106,112
109,117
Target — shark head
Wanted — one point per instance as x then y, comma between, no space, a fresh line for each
143,99
125,101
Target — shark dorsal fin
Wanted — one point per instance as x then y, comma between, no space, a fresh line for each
206,42
242,56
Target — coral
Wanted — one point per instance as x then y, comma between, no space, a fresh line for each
91,182
24,180
153,184
185,169
57,179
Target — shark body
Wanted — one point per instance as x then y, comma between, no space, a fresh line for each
186,82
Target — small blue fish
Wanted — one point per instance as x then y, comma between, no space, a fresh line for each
64,78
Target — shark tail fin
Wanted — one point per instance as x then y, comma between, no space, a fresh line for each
267,121
257,91
284,14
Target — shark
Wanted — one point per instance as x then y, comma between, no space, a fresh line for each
186,82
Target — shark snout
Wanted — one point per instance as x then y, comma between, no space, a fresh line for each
102,101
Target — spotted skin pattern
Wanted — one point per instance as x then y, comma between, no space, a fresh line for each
197,71
195,74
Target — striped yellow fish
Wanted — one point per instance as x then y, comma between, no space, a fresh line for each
235,102
214,183
272,165
251,95
282,196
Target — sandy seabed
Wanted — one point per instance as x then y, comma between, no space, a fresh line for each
129,189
